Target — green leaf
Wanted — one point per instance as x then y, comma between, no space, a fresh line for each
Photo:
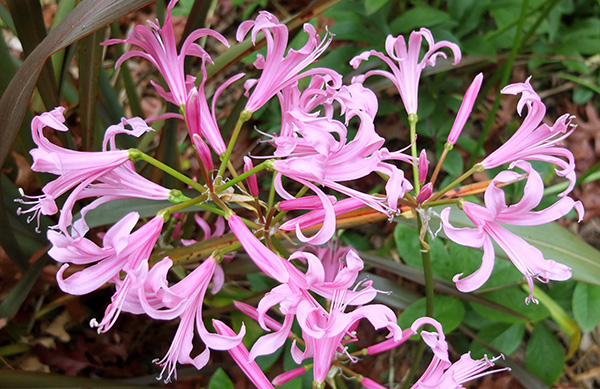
513,298
504,337
544,355
449,311
372,6
423,16
586,304
11,303
220,380
90,59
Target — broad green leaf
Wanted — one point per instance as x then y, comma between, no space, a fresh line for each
586,306
449,311
220,380
513,298
372,6
423,16
562,318
86,18
544,355
504,337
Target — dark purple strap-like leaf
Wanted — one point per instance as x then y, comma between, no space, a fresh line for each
87,17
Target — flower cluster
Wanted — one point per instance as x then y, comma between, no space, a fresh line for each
327,141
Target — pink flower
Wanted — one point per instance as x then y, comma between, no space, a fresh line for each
159,47
315,148
108,174
279,70
535,140
241,357
529,260
324,331
185,300
465,109
122,251
271,264
441,373
406,70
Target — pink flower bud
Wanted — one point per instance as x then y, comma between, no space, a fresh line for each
252,184
288,375
370,384
425,193
423,166
390,343
203,152
465,109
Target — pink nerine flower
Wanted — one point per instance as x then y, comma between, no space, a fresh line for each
324,330
535,140
442,373
316,149
241,357
122,251
108,174
279,70
404,62
184,300
159,47
529,260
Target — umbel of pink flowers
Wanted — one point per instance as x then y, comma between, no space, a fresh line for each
312,148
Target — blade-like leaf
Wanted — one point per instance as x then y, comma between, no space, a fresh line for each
11,303
87,17
90,58
29,23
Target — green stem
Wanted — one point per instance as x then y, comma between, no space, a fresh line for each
268,164
476,168
272,192
245,115
137,155
412,121
443,202
167,212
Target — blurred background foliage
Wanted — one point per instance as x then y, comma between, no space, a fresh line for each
557,42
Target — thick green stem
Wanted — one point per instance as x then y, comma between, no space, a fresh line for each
137,155
268,164
167,212
245,115
412,122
